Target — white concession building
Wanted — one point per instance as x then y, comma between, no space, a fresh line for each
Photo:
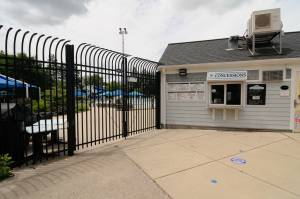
250,81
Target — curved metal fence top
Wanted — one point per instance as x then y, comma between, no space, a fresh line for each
40,47
140,65
88,54
18,42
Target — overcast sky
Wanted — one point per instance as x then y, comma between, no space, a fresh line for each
151,24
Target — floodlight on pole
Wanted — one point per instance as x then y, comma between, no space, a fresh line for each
123,32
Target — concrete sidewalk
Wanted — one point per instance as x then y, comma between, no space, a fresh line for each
197,163
175,164
106,173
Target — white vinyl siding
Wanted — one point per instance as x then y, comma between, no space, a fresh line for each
274,115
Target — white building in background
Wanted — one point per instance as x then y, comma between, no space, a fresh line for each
249,82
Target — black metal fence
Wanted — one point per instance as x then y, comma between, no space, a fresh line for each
57,98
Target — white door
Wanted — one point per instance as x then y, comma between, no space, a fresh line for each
297,103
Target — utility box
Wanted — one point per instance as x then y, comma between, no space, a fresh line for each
265,21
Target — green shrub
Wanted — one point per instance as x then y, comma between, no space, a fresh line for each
81,107
40,106
5,169
54,100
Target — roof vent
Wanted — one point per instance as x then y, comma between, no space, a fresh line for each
233,43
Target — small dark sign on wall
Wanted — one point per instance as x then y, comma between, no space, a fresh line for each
284,87
182,72
256,94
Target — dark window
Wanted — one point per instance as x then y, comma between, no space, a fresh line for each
256,94
273,75
233,94
217,94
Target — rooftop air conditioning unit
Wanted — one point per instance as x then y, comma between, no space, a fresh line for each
264,22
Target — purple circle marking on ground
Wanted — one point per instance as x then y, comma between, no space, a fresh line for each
238,160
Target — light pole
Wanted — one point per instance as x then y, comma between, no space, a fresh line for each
123,32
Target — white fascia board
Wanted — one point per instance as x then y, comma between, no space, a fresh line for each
264,62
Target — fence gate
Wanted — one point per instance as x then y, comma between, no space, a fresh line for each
114,97
57,97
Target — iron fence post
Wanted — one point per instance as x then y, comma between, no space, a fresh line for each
157,98
125,98
70,98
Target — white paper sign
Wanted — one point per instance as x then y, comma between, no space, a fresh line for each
257,87
228,76
284,93
256,97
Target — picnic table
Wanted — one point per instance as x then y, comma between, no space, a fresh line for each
40,129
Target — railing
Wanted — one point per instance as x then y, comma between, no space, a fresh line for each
56,98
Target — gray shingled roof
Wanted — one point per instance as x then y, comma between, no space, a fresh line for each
212,51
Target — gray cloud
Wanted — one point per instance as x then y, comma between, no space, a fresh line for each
42,12
214,5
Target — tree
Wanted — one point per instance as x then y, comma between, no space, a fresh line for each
26,69
145,83
113,85
93,80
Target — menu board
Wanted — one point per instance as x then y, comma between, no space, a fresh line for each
187,96
197,86
179,87
186,91
175,87
201,96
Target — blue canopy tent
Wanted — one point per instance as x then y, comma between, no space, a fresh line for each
100,90
11,83
80,93
8,82
105,94
135,94
115,93
120,93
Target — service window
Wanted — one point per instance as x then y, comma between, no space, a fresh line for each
226,94
233,94
217,94
256,94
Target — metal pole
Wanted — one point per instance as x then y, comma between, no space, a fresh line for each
123,44
157,99
280,42
253,45
122,32
70,98
124,103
